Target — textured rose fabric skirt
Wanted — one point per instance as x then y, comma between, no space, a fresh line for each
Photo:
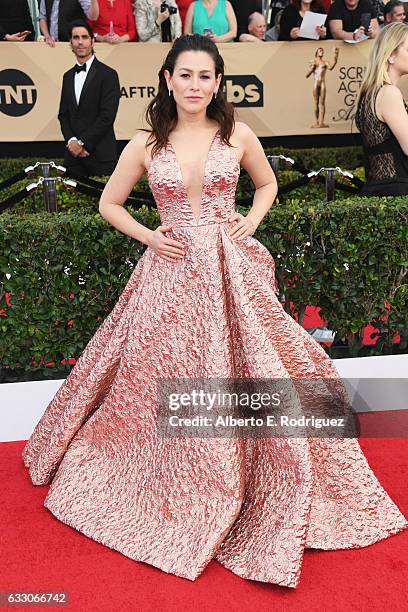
252,504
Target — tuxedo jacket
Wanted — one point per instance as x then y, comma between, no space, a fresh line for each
92,119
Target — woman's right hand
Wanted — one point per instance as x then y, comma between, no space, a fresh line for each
359,33
294,33
168,249
17,37
50,41
161,17
112,39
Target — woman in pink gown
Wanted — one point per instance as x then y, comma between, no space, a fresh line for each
201,303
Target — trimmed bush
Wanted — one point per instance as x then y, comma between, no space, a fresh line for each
66,271
348,158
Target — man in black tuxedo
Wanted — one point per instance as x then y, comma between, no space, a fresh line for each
89,103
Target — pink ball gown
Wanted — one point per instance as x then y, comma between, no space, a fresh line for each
254,505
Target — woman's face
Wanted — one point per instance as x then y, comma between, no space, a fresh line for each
399,58
193,82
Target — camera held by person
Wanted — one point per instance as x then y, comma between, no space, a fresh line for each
165,7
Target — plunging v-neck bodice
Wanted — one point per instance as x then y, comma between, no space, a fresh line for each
220,177
203,176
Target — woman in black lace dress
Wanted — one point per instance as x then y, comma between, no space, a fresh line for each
382,115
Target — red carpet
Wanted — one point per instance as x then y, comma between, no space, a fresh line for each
38,552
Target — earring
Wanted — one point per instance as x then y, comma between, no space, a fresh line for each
215,95
169,92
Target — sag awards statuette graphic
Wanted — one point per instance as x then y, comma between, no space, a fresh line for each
318,67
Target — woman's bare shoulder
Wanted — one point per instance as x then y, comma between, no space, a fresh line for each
140,138
244,139
136,151
389,92
242,131
389,101
140,142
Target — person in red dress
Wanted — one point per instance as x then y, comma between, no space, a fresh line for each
183,6
116,22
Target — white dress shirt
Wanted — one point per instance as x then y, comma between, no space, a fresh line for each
79,78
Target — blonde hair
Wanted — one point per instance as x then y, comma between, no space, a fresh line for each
376,74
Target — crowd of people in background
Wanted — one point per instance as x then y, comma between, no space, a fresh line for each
122,21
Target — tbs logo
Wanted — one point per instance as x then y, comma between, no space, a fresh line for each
18,94
244,90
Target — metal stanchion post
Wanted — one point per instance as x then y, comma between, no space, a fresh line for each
43,168
49,187
330,184
275,162
50,194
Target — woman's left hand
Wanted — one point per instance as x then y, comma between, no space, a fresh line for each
322,31
242,227
113,39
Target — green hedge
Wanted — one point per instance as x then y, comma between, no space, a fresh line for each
348,158
349,257
72,200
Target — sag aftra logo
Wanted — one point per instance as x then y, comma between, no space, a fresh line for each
244,90
18,94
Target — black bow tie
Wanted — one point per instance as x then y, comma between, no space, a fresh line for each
80,68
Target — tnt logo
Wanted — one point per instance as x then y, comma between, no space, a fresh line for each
244,90
18,94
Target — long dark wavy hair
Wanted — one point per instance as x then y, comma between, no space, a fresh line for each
161,114
315,5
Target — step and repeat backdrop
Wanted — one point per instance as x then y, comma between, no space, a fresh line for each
275,87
